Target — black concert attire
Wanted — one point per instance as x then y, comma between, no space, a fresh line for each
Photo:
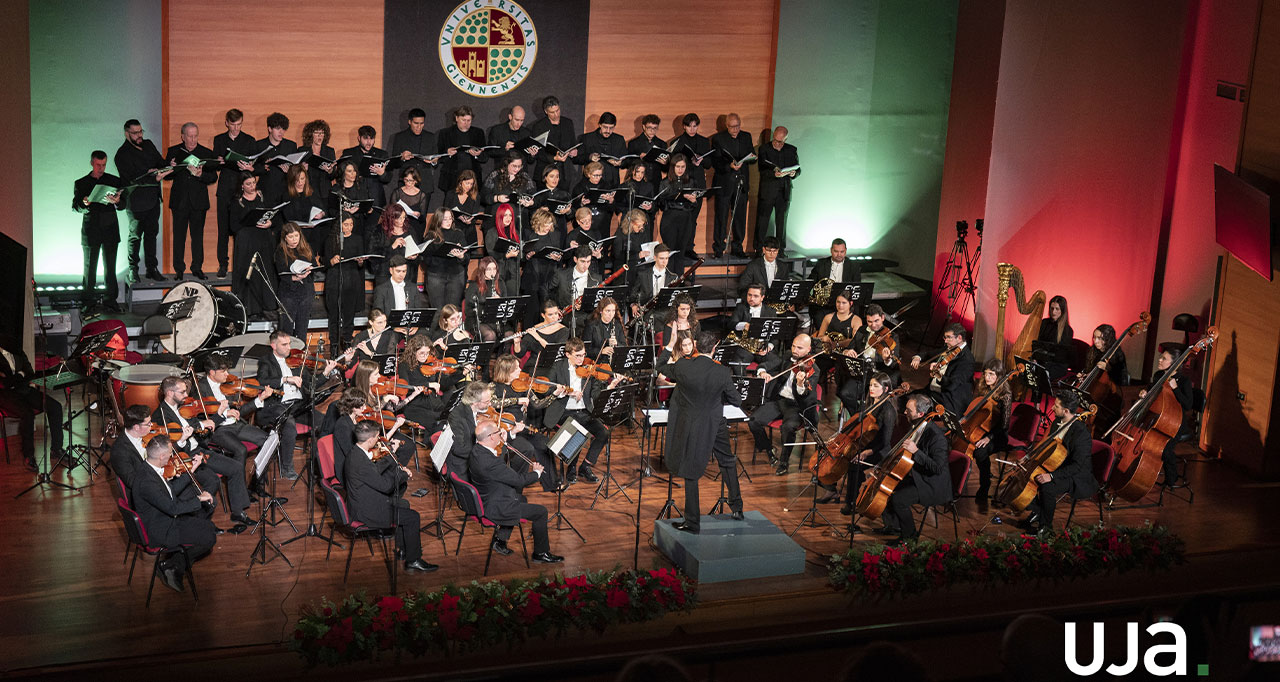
387,297
452,166
928,483
955,389
851,388
758,272
344,443
602,209
386,343
189,202
474,304
886,420
998,441
626,251
229,188
172,519
597,334
633,197
562,373
20,400
462,423
343,286
321,181
374,184
404,453
423,144
498,185
427,408
381,243
418,203
215,464
1074,475
499,487
563,135
299,209
553,200
833,361
272,371
596,143
677,226
230,434
640,145
791,396
568,286
536,446
508,265
296,296
694,148
251,240
774,196
358,199
99,234
499,136
697,429
734,186
272,178
743,313
538,272
1049,334
446,279
846,271
375,494
143,202
1185,397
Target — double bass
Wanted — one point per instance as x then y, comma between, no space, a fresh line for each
1020,487
975,423
1146,428
853,436
883,479
1102,391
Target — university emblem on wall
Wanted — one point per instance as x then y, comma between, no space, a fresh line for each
487,47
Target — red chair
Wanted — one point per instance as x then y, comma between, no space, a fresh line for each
336,505
473,508
777,424
1024,425
138,539
959,466
119,342
1104,460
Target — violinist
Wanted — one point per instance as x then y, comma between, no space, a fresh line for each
791,395
886,416
929,481
604,330
997,438
398,292
504,370
575,402
650,279
230,430
485,284
499,487
874,346
836,331
129,450
289,387
427,408
368,383
350,409
377,339
955,388
1056,329
375,486
173,390
698,428
448,329
477,397
1074,475
172,518
1182,392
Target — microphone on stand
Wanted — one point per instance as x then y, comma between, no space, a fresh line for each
252,263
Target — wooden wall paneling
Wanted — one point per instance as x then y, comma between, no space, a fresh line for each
671,58
307,59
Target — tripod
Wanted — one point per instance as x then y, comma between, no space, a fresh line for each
811,517
958,279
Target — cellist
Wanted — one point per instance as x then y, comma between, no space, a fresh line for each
1074,475
997,438
886,416
929,481
1181,388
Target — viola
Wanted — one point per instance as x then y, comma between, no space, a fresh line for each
975,424
1020,487
883,479
854,435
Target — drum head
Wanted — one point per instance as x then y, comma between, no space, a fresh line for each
217,315
252,339
146,374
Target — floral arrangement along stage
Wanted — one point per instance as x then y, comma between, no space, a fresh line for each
456,619
879,570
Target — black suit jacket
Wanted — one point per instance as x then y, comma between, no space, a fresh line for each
372,488
189,190
1078,465
165,414
642,285
772,389
696,424
135,162
125,460
384,299
562,291
822,270
424,144
158,509
754,273
462,421
931,472
499,486
957,382
560,374
99,224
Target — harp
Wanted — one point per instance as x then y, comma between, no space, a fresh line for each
1010,277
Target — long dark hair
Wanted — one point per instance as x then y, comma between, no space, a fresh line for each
1005,394
1063,322
1108,340
303,252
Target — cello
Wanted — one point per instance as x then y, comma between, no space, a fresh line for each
1020,487
883,479
1102,391
854,435
975,424
1142,433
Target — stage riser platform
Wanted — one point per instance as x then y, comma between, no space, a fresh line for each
726,550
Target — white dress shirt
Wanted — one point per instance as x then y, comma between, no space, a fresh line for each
397,294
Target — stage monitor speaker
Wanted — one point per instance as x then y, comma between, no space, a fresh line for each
568,440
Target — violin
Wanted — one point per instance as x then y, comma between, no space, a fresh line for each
940,361
299,358
234,385
195,408
443,366
854,435
883,479
600,371
976,422
171,429
385,418
1020,486
507,421
381,448
883,339
391,386
523,382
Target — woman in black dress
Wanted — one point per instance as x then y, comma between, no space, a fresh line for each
343,282
388,240
641,191
604,330
886,419
997,439
504,227
375,339
539,272
485,284
410,196
1056,329
350,194
304,203
446,272
677,227
315,139
428,406
506,184
297,290
549,332
363,384
465,204
837,330
556,198
259,239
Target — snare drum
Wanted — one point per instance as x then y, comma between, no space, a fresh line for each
140,384
216,316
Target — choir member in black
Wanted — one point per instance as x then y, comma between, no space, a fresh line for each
172,519
549,332
576,401
412,194
137,161
446,272
322,161
751,307
632,235
603,146
539,270
21,401
791,396
837,331
1074,475
189,198
483,285
1117,369
556,198
376,339
604,330
476,398
289,387
582,234
505,135
240,142
506,184
297,289
379,173
428,407
304,202
765,269
775,185
464,201
508,259
1180,386
572,283
698,428
697,150
886,419
680,317
955,388
601,205
499,487
389,240
836,267
343,281
450,140
99,229
929,482
879,355
230,429
677,226
173,390
561,136
409,145
365,384
997,438
640,185
734,153
1056,329
274,176
397,292
375,492
255,240
647,139
350,196
504,369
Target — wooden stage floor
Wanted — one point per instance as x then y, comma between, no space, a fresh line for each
66,604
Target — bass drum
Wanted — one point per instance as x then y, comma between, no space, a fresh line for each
140,384
216,316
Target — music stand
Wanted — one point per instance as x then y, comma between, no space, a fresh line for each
77,455
859,292
503,309
550,354
1036,376
411,318
766,329
387,363
811,517
612,406
261,461
470,352
591,296
566,443
175,312
666,296
788,291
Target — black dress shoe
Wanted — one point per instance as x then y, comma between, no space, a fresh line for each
199,274
685,527
171,579
222,272
218,531
885,530
739,253
846,509
240,517
500,546
585,473
419,566
737,516
155,276
781,469
238,529
773,459
131,276
546,558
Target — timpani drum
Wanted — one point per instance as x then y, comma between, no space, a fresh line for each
216,316
140,384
